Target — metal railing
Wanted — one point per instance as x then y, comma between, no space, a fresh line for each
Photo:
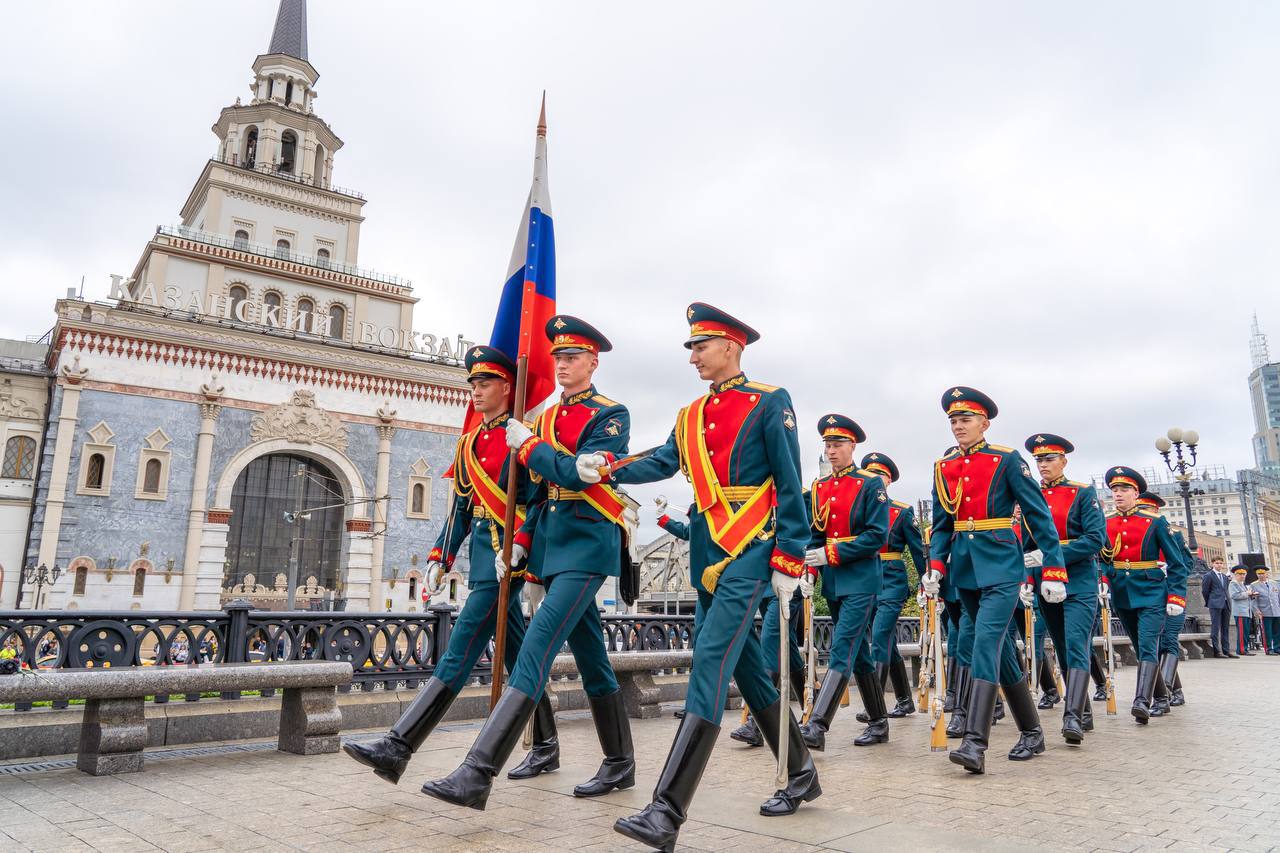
327,264
385,649
274,170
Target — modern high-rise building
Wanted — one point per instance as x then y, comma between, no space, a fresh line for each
1264,391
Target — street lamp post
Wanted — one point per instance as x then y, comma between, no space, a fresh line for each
1179,452
40,577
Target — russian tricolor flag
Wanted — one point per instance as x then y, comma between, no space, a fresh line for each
529,295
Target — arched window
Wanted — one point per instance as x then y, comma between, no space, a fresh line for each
251,147
419,498
306,312
82,578
413,589
93,478
271,299
288,92
236,295
282,248
242,239
139,581
288,151
19,458
321,155
151,480
337,322
322,258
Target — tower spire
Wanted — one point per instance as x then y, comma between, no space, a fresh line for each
1259,353
290,34
542,117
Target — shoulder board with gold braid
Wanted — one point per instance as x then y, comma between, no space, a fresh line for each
901,504
604,401
952,452
1000,447
760,386
864,472
1149,513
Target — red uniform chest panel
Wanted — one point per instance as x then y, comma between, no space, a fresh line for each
1060,499
490,450
894,512
722,421
570,422
971,478
836,497
1132,530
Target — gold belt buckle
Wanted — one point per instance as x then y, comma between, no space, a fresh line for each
969,525
1127,564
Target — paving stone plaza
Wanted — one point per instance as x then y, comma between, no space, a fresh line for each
1205,778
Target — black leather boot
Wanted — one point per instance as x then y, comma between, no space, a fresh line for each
901,690
1169,675
882,674
1176,699
1022,707
1160,696
872,693
1099,676
658,824
389,756
1146,687
997,713
1049,695
957,725
748,733
802,775
545,755
797,684
1077,704
971,752
949,699
618,770
1086,718
470,784
824,710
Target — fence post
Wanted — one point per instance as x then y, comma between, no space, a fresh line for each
235,644
443,630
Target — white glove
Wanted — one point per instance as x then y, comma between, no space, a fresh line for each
1027,595
517,434
815,557
534,593
932,582
1173,609
661,503
589,465
806,586
784,586
518,553
1104,594
922,600
1054,592
435,578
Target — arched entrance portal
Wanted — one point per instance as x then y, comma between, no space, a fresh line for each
286,529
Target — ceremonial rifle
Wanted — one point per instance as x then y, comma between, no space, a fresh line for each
938,725
784,681
1029,620
810,660
1111,656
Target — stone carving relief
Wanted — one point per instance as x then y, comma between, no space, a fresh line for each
300,421
16,407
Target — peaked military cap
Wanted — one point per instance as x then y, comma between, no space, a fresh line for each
880,464
1046,444
707,322
1150,499
569,335
1122,475
962,400
489,363
837,427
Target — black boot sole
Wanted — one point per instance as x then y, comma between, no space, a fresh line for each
621,827
977,767
1075,738
432,790
810,795
382,773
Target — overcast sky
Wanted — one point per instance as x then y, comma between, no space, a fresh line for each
1070,206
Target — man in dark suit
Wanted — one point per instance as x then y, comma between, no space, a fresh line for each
1213,588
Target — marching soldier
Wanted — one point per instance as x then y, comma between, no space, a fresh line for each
904,538
1081,529
738,446
1170,647
577,542
976,486
1144,596
479,506
850,512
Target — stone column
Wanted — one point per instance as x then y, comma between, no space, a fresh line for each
209,411
68,422
381,492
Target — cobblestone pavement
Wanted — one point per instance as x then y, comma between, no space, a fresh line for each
1206,778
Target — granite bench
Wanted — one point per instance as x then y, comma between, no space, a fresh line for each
635,671
113,731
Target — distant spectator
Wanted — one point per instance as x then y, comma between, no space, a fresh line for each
1242,610
1267,604
1214,588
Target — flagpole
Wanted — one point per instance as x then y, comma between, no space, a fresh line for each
508,539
